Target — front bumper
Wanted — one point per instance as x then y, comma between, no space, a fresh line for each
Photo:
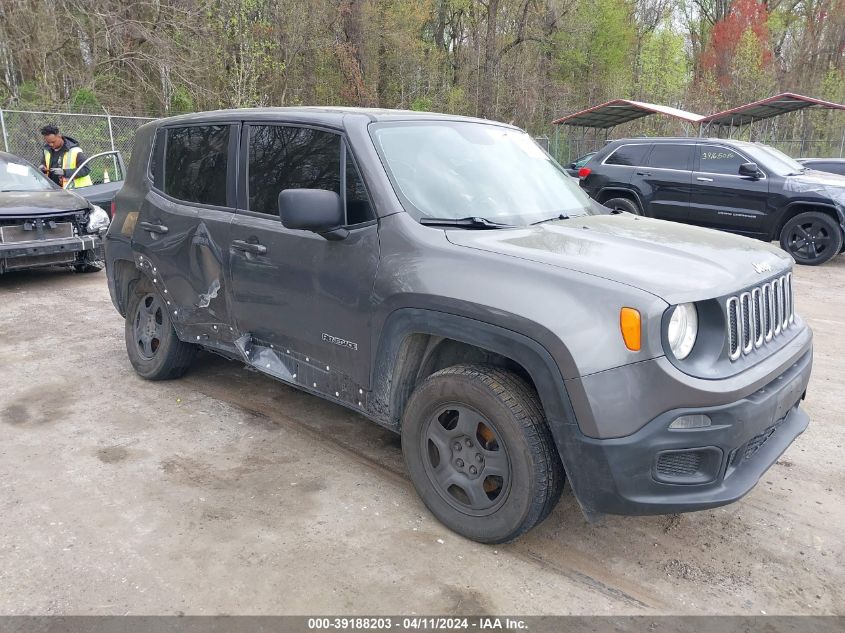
19,255
658,470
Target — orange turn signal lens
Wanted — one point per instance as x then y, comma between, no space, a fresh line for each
631,325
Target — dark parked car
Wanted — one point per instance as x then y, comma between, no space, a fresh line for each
43,225
444,277
578,163
830,165
746,188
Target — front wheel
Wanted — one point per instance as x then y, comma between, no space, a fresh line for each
154,349
480,453
812,238
623,204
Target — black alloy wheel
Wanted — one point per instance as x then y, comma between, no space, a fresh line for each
812,238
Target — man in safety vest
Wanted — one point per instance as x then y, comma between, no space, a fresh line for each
62,155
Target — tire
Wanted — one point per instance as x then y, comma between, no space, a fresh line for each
623,204
812,238
154,350
487,420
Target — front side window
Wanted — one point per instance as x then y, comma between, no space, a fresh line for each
290,158
715,159
628,155
461,169
670,156
195,163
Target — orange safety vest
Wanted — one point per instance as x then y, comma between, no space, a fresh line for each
69,162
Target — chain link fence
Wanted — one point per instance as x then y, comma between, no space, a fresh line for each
21,132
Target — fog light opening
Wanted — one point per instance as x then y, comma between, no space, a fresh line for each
696,421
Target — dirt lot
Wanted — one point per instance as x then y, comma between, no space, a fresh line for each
226,492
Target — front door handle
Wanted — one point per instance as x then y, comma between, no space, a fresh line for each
153,228
643,173
703,179
249,247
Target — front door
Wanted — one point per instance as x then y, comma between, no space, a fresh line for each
306,298
721,198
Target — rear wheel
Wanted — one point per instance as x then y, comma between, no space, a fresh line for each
623,204
480,453
154,350
812,238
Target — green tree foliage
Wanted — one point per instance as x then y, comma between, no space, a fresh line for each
525,61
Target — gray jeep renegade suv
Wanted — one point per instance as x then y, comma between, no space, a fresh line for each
445,278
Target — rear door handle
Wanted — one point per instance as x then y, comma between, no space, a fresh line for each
153,228
643,173
249,247
703,179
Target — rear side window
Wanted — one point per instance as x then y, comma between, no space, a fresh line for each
715,159
670,156
630,155
196,162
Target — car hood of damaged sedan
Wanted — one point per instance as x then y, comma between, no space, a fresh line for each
673,261
24,204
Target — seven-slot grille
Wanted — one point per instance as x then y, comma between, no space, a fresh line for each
757,316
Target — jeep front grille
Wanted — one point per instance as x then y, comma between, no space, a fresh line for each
757,316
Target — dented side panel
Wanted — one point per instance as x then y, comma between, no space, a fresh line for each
185,255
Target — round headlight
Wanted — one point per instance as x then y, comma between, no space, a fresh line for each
97,219
683,329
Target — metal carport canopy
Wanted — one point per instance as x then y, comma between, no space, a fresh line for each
618,111
766,108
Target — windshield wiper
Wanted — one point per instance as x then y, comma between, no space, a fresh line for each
559,216
472,222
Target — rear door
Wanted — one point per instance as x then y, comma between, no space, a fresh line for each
181,236
305,297
721,198
664,182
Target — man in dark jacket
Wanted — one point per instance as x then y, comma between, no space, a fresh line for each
62,155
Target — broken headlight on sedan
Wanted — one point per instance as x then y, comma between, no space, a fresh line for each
98,219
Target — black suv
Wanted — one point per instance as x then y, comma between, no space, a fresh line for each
746,188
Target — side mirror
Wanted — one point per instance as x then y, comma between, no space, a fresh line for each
315,210
749,170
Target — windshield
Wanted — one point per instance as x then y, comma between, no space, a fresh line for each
22,177
457,169
774,159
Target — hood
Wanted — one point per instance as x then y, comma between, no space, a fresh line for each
16,204
675,262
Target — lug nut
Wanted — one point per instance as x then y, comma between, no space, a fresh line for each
479,458
457,446
472,470
459,463
468,443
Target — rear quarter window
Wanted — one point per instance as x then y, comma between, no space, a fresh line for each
628,155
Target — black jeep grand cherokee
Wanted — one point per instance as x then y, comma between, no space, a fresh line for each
745,188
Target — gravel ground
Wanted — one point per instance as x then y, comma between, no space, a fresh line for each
227,492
